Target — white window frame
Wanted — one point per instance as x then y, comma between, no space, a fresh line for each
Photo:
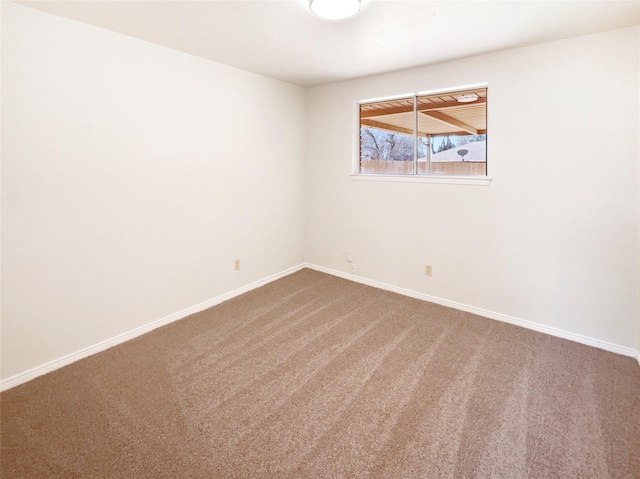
437,179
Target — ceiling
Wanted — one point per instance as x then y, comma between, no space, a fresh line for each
283,40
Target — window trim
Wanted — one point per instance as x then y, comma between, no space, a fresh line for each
436,179
413,178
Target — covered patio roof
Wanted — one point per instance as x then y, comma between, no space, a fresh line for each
439,114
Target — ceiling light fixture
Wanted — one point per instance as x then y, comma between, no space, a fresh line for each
468,98
334,9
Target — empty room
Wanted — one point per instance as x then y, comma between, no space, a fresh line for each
320,239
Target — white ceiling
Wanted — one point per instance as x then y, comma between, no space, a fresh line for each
281,39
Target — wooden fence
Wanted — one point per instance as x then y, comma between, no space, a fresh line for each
452,168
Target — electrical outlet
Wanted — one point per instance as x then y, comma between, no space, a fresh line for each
236,265
428,270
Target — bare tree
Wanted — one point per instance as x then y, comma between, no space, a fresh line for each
386,146
391,141
377,153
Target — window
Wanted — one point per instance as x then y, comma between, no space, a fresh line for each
443,134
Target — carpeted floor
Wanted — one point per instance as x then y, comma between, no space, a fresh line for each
313,376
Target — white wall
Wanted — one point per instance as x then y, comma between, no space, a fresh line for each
132,176
554,238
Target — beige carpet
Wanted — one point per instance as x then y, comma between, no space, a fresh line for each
313,376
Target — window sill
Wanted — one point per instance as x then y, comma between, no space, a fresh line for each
448,180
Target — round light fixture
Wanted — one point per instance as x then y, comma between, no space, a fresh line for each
468,98
334,9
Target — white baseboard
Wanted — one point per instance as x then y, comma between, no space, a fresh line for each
121,338
83,353
578,338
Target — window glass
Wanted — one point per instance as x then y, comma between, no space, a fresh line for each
438,134
387,137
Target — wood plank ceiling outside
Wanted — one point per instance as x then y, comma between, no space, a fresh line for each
437,114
